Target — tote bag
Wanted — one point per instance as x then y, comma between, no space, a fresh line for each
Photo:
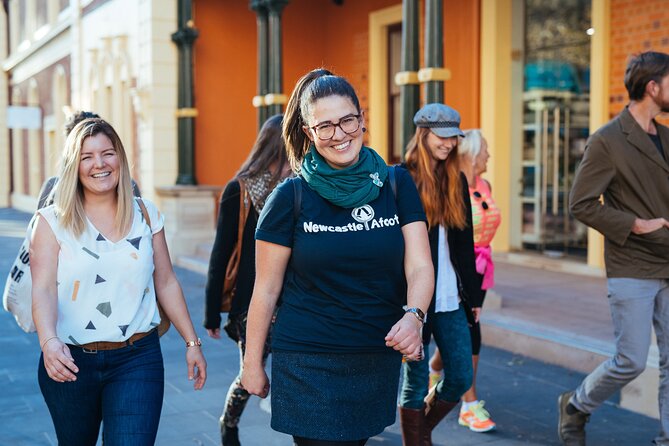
17,297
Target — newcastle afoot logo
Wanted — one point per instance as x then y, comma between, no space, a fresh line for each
364,221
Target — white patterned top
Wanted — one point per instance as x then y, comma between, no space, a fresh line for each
105,289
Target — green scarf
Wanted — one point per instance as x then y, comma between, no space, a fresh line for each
351,187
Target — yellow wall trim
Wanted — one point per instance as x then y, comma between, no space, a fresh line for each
496,26
599,99
379,21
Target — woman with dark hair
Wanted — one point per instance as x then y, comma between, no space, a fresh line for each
432,161
265,167
345,247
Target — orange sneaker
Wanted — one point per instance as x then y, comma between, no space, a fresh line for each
477,419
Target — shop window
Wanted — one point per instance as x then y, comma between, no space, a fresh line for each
555,122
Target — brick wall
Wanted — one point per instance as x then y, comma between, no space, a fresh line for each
636,26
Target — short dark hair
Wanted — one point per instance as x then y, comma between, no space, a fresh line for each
643,68
76,118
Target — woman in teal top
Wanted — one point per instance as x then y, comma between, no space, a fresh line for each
345,253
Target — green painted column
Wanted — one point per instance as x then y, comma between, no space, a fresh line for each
260,9
409,92
275,8
184,38
434,47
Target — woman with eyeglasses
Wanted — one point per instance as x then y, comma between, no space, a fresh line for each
344,246
432,161
473,152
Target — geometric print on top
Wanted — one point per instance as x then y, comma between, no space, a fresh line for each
105,288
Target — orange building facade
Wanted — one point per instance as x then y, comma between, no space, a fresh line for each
315,34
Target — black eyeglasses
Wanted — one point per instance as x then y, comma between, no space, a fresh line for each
348,124
478,196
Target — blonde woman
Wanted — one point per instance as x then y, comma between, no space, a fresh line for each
94,261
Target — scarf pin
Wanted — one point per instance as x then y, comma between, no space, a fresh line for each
375,179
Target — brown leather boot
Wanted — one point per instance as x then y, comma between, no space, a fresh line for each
436,410
413,425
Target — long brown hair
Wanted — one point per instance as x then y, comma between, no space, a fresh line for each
440,188
268,151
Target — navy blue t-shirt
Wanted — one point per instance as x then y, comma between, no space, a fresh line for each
344,286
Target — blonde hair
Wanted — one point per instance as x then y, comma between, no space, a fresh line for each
440,189
471,144
69,193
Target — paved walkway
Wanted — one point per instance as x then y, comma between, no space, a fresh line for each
521,393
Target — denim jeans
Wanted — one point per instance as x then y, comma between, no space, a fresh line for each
122,388
451,334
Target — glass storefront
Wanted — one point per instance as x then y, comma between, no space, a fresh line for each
556,104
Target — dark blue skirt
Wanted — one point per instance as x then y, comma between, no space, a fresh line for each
332,396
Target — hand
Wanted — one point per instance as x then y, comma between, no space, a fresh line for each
58,361
477,313
255,381
197,366
642,226
216,333
405,336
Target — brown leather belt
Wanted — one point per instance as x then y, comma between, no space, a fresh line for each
92,347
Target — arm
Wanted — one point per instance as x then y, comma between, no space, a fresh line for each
405,335
171,298
592,179
44,250
271,264
226,236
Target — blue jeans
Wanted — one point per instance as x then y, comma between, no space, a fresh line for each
122,388
451,333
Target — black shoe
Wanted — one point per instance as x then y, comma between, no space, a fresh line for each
571,426
229,436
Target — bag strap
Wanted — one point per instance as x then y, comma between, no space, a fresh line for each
244,209
145,213
392,180
297,197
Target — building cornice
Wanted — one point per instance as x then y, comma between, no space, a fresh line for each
17,58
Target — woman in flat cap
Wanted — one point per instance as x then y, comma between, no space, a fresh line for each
432,161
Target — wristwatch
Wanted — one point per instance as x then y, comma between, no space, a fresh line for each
420,315
194,343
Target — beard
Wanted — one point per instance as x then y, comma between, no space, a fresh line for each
660,101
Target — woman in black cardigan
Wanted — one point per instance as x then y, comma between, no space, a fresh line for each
265,167
432,160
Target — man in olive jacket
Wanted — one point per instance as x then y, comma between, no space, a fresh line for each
626,162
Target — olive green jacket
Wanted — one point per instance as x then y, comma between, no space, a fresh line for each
623,164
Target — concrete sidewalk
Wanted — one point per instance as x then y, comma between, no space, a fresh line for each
520,392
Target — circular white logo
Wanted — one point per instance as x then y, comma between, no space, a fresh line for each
363,214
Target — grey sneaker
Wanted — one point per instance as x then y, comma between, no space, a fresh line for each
571,427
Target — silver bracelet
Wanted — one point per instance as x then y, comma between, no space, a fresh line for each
45,342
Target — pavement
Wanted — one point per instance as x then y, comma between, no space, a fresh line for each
520,392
